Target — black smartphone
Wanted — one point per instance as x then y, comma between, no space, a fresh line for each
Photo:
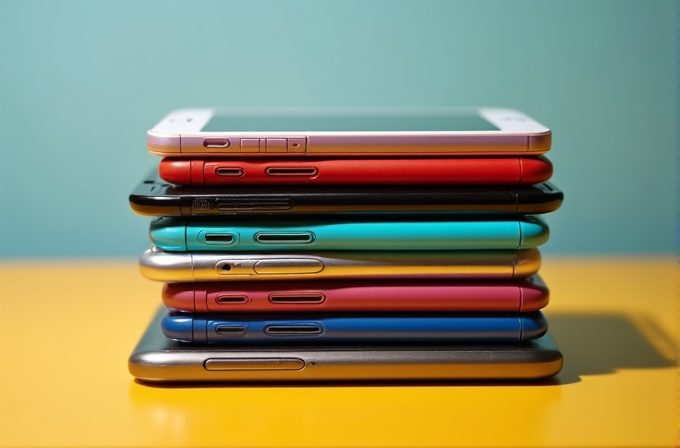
160,359
156,197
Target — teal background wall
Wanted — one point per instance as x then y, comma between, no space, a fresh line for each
81,82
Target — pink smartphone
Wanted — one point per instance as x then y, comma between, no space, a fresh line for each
392,171
348,133
314,295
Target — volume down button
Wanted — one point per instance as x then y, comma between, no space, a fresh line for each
289,266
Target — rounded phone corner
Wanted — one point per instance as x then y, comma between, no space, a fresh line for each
147,266
535,169
533,233
533,326
136,365
155,210
162,144
533,297
142,209
540,142
178,328
553,367
548,364
176,171
526,263
545,207
168,233
160,266
176,297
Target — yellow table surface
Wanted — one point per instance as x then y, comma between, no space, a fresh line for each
67,328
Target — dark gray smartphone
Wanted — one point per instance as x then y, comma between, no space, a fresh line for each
159,359
155,197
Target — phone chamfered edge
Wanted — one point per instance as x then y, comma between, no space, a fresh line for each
362,146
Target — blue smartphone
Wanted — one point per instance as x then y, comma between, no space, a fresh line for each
365,327
374,233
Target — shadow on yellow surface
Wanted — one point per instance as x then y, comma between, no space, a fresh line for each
601,343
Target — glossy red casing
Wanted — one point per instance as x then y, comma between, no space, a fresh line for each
519,296
403,171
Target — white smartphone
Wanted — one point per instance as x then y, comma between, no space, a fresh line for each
347,132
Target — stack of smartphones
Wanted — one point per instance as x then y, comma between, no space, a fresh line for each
305,245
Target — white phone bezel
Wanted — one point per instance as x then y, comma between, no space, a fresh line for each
191,121
179,133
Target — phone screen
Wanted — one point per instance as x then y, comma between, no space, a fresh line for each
346,123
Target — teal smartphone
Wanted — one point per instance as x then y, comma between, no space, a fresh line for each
374,233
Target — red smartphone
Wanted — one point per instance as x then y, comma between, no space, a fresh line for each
401,171
313,295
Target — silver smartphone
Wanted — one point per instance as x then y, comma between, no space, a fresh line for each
163,266
347,132
159,359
